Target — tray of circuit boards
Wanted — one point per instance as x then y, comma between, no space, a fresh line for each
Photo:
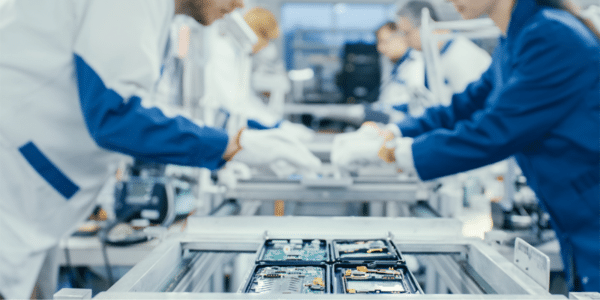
375,278
289,279
293,251
365,251
315,266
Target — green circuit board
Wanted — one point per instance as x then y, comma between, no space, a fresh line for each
363,280
364,250
295,250
289,280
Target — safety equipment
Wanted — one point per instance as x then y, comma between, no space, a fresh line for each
538,92
261,147
66,109
232,173
299,131
361,147
403,156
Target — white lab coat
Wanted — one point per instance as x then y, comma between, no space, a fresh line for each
592,13
181,87
407,75
269,75
52,168
268,71
462,62
229,79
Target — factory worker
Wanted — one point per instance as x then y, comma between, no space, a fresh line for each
462,62
538,101
408,69
72,78
269,76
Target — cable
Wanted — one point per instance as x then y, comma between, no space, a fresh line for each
79,282
111,279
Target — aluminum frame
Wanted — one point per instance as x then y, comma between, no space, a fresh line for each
224,235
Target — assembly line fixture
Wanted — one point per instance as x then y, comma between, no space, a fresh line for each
470,268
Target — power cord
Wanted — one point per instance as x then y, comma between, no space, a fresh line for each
111,279
79,282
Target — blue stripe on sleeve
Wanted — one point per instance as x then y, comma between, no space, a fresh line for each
55,177
145,133
254,124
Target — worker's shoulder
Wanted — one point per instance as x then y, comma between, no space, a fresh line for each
559,26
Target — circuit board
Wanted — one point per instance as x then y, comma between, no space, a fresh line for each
295,250
289,280
365,250
366,280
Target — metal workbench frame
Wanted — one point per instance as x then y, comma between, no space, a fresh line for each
223,236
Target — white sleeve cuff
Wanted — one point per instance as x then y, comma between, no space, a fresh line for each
404,155
394,129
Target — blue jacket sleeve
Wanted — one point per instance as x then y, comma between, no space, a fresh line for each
545,82
145,133
462,107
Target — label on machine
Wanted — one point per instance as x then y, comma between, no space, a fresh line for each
533,262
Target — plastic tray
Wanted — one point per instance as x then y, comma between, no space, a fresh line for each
374,278
289,279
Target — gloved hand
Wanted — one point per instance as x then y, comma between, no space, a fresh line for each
361,147
301,132
232,173
261,147
399,151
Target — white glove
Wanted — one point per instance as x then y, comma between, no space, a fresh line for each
232,173
301,132
358,148
283,169
261,147
403,155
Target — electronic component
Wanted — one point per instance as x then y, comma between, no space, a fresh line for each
380,278
289,280
294,251
365,250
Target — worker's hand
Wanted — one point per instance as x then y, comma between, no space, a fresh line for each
301,132
262,147
232,173
361,147
399,151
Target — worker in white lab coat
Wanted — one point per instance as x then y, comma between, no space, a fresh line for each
233,72
462,62
73,76
269,75
407,73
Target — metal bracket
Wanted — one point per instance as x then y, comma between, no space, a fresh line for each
533,262
584,295
73,294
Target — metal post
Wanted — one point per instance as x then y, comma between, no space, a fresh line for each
376,209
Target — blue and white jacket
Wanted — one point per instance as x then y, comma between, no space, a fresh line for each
73,77
538,101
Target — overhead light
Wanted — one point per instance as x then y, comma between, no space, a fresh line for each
301,75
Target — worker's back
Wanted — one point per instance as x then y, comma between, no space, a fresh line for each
52,54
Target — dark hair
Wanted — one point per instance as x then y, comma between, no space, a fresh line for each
387,25
569,7
412,11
